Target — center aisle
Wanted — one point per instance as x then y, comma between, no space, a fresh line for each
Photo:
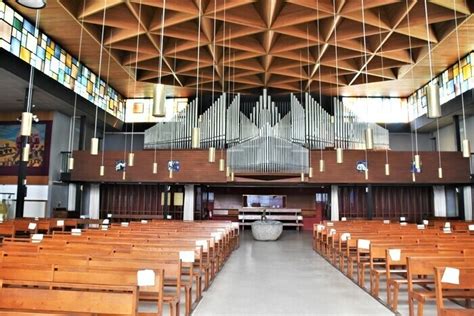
285,277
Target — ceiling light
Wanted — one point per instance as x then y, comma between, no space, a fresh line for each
32,4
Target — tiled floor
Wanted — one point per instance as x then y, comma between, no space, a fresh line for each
285,277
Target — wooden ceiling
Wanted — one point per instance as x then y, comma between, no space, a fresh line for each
284,45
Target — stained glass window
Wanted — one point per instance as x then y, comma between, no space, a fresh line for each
22,39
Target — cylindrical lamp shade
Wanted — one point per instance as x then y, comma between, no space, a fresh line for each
413,177
417,161
221,165
212,154
131,159
170,174
196,138
310,172
94,146
232,176
155,168
102,171
124,175
366,174
227,171
302,177
433,100
159,98
26,121
466,148
387,169
369,138
339,155
440,173
70,163
25,154
32,4
322,165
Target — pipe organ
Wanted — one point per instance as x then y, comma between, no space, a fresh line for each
260,137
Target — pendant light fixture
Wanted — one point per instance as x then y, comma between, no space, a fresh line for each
95,140
131,154
102,166
196,131
432,94
159,95
322,166
369,133
232,176
466,144
416,160
387,165
32,4
72,130
302,178
432,90
212,148
339,151
222,167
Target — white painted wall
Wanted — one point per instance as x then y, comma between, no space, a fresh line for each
36,208
403,141
447,138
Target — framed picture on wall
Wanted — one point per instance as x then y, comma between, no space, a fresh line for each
10,148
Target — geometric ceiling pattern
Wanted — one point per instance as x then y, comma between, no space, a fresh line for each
283,45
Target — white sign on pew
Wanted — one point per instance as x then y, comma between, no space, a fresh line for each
450,275
109,215
345,236
330,224
402,219
471,228
395,254
104,227
217,236
386,221
144,221
36,238
76,232
447,230
31,226
332,232
363,244
60,223
145,278
447,225
343,219
403,224
202,243
106,221
187,256
320,227
425,222
420,226
124,224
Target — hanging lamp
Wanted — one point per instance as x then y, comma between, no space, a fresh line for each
159,95
32,4
196,131
466,144
339,150
94,140
102,166
322,166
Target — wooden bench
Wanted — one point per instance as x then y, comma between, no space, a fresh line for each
464,286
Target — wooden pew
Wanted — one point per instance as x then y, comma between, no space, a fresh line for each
466,285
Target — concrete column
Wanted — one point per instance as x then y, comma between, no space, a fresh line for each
94,201
71,197
188,214
468,203
334,203
439,195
